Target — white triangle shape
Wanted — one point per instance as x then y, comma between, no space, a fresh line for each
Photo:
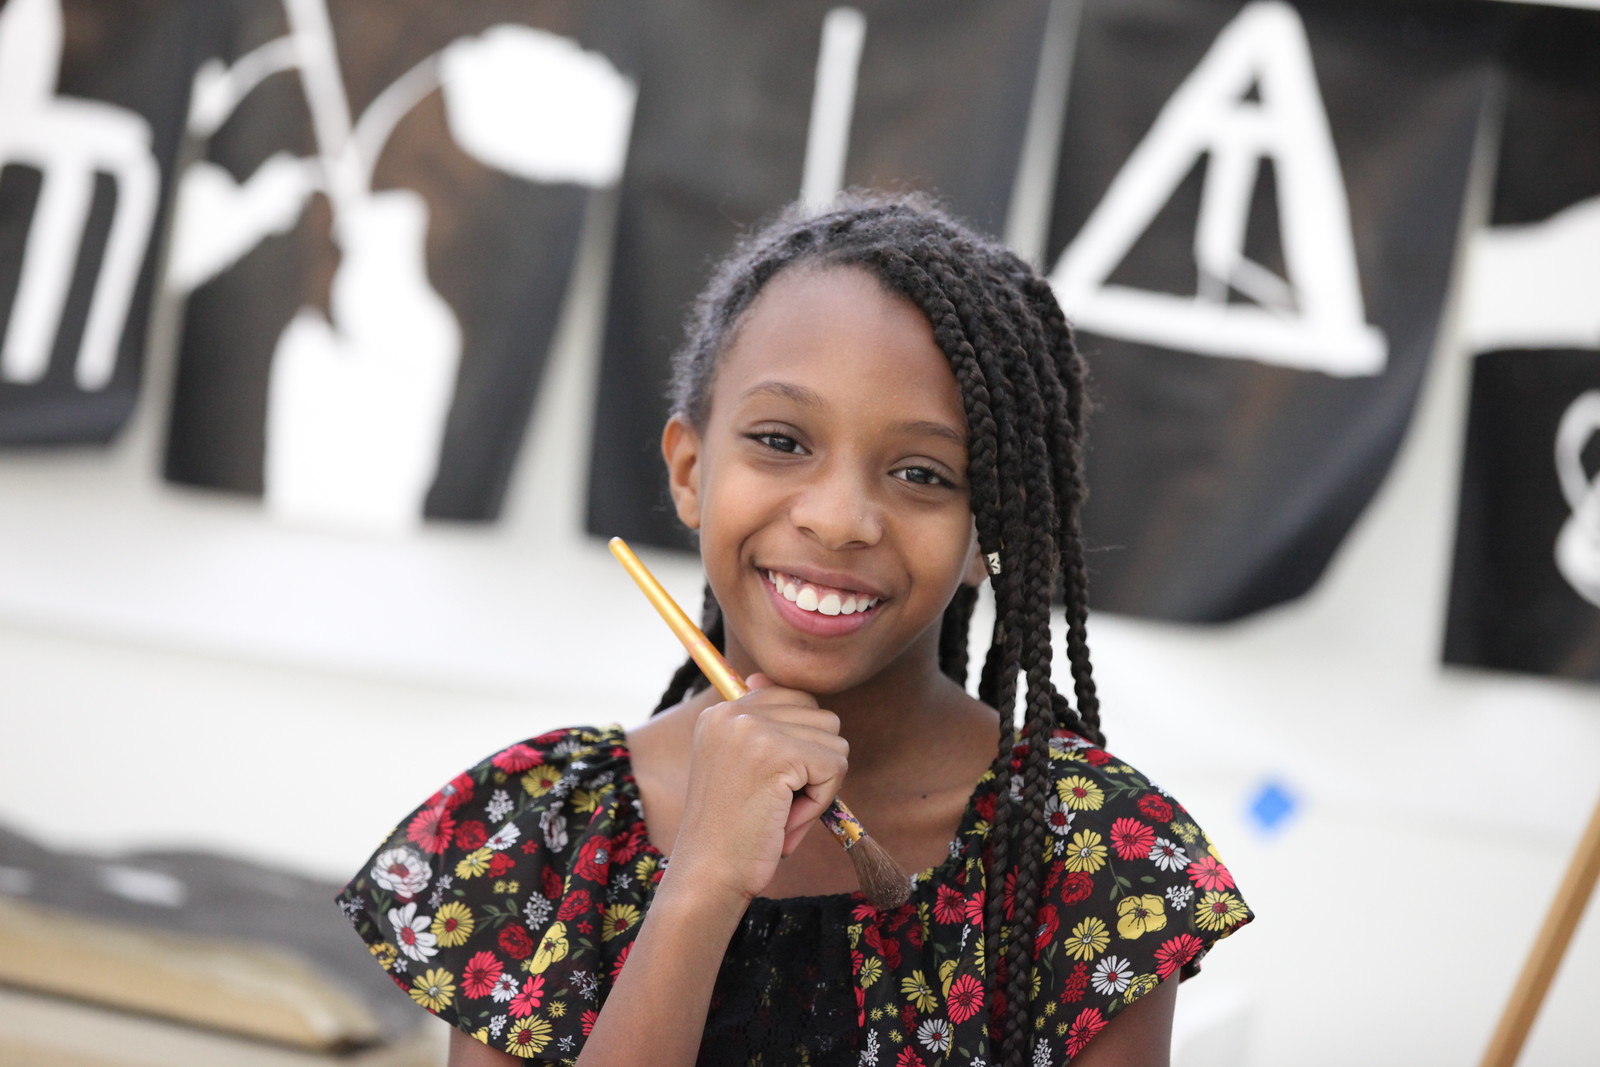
1314,320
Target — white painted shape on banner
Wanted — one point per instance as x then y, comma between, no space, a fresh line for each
1577,548
218,220
1313,320
833,103
537,106
219,87
70,142
1536,285
357,408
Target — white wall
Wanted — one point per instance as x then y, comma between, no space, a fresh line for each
176,670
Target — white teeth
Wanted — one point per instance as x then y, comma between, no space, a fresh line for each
807,598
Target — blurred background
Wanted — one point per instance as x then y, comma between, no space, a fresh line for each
332,336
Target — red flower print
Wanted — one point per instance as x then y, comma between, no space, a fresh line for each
948,907
908,1058
916,935
531,997
1088,1023
622,957
974,909
549,881
454,793
966,998
588,1021
1207,872
1175,952
627,844
864,912
1048,924
908,1016
1155,808
1096,757
471,834
481,973
861,1006
1009,897
500,863
1132,839
517,759
594,860
1076,887
577,903
585,927
1076,983
874,939
984,806
516,941
432,829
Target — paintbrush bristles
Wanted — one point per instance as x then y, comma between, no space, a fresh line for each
886,886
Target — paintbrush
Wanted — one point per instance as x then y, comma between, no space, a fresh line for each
881,878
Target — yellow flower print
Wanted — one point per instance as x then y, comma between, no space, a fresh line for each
1088,939
452,924
618,918
528,1037
1219,911
919,992
384,953
1140,985
1137,916
552,947
871,971
1080,794
584,801
473,863
557,1009
646,868
947,974
434,990
1086,852
539,781
1187,831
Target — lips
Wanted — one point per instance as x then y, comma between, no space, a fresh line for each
818,599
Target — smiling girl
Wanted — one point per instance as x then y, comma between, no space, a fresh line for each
876,413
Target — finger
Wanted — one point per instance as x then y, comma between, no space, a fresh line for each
758,681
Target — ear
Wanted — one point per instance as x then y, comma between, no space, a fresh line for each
680,447
977,570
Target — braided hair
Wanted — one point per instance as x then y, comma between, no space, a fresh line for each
1022,387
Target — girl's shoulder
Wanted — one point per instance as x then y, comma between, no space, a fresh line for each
516,885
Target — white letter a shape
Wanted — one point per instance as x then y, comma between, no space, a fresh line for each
1314,320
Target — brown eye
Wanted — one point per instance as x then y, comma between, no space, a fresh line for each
778,442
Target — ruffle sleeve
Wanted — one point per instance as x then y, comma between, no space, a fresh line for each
1133,894
507,901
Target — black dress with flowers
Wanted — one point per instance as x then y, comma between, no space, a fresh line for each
508,902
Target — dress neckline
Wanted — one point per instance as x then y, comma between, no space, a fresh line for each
964,838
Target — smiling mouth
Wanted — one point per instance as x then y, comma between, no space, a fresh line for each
820,599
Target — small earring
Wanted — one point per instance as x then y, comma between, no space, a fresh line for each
992,561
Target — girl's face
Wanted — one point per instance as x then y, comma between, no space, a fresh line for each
829,484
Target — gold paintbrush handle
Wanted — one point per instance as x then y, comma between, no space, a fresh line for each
837,818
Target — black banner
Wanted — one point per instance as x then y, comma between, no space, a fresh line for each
378,241
736,106
92,104
1525,593
1256,219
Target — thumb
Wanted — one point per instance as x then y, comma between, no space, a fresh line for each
758,681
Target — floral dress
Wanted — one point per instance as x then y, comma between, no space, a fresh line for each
508,902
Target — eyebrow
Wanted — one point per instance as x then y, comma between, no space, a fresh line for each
808,398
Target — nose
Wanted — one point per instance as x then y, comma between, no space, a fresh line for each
839,508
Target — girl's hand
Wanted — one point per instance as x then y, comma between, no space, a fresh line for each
763,768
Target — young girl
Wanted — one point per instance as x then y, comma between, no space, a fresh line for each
876,412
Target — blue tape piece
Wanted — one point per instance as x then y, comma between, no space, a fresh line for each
1272,806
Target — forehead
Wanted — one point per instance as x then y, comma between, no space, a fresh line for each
836,331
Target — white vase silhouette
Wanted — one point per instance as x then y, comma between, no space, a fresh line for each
356,407
1578,544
